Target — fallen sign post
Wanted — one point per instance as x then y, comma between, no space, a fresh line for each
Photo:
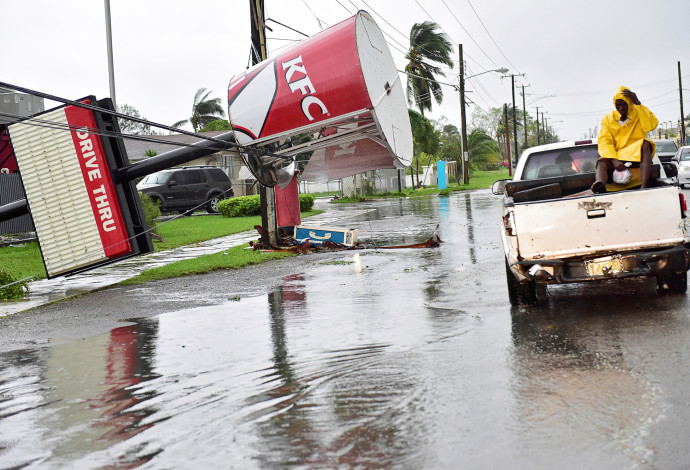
82,215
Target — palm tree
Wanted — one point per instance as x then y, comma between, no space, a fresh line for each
204,110
426,46
481,148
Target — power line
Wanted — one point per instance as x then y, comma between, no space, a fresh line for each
491,37
467,32
318,20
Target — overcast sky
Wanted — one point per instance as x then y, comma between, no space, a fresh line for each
574,54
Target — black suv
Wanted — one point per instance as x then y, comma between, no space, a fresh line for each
186,188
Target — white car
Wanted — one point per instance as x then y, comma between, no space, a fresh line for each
682,159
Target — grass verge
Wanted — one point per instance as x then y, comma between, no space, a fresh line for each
233,258
478,180
25,260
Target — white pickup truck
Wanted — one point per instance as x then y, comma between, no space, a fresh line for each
556,231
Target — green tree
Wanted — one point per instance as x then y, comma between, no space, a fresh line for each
204,110
427,48
425,139
128,126
217,125
483,150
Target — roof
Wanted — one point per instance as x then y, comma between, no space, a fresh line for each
136,149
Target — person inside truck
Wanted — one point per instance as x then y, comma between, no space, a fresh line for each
622,142
565,163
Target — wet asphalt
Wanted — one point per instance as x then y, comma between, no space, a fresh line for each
375,358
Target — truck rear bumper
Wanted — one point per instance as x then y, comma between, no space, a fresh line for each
639,263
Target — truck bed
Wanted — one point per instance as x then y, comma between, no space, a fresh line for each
583,225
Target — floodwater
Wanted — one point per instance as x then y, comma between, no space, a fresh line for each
365,359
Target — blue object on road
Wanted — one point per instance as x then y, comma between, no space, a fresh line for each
442,180
318,235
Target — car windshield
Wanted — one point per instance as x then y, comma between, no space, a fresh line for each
666,146
561,162
156,178
685,155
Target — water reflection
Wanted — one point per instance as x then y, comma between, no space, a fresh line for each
470,228
329,407
572,382
81,396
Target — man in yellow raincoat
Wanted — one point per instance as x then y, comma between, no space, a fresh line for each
622,140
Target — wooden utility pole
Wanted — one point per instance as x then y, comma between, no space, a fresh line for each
512,77
538,136
524,114
269,221
510,159
463,122
683,137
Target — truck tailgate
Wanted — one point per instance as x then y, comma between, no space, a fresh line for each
578,226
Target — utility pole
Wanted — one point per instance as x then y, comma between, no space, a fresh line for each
538,137
109,41
269,221
543,128
512,77
546,130
524,115
683,137
510,159
465,153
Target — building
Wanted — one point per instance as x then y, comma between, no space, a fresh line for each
15,105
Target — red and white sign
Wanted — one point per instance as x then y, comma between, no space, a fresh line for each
339,86
68,186
99,185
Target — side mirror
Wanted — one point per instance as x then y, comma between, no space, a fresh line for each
671,169
499,187
172,183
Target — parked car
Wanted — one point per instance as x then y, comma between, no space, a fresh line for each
665,149
187,188
682,159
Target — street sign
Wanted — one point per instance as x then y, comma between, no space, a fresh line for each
337,94
82,217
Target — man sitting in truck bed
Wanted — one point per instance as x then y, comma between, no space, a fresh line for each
622,139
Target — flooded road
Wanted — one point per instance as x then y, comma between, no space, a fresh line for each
374,358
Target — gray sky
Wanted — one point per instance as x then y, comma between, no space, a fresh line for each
165,50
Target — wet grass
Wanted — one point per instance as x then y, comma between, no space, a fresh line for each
233,258
188,230
478,180
25,260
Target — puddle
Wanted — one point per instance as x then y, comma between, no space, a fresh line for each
367,359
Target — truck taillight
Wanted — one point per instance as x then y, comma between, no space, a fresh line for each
509,224
683,204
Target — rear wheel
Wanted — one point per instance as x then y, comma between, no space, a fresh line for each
513,286
520,292
212,204
676,283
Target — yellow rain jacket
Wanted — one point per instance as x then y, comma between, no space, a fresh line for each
624,142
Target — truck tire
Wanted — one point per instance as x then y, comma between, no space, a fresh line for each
513,287
520,292
678,282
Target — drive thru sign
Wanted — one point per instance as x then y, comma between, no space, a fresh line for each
69,189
